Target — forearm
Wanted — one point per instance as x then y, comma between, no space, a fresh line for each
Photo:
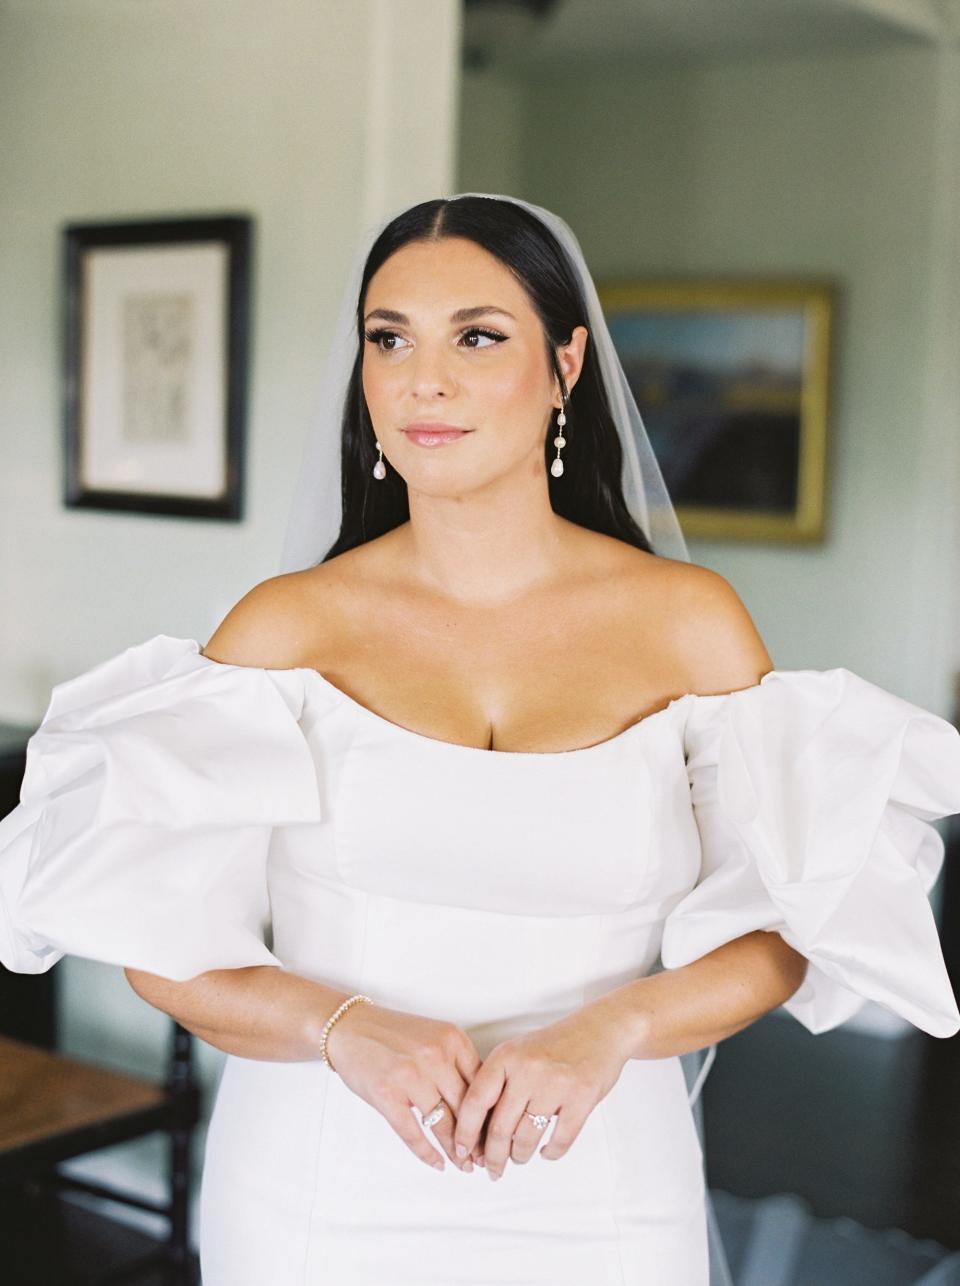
687,1008
261,1012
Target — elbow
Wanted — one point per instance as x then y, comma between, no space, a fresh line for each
777,970
138,980
162,993
793,969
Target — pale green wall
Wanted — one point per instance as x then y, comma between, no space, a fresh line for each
113,110
821,166
300,113
492,134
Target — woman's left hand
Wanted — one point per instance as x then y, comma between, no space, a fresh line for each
565,1068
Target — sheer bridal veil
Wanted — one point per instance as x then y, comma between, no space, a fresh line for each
314,521
315,517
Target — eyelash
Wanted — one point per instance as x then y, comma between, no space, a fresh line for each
374,336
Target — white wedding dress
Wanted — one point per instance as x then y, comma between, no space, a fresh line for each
179,814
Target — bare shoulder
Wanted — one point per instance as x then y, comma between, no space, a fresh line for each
276,623
712,634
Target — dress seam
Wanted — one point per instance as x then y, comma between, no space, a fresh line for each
601,1113
611,1188
308,1239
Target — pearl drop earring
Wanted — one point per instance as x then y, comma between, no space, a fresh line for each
380,469
556,466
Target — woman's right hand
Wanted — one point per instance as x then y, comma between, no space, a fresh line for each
396,1060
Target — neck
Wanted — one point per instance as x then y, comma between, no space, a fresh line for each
487,546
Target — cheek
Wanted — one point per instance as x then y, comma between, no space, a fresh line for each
517,389
378,393
369,382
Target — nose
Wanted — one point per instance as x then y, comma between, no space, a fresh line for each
429,369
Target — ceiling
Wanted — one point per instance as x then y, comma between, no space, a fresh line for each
538,34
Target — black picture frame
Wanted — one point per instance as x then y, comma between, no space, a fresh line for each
155,340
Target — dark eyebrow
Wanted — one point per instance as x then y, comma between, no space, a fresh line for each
461,315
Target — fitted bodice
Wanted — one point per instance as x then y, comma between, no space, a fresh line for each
553,870
552,833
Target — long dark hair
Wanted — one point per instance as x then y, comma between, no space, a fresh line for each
589,492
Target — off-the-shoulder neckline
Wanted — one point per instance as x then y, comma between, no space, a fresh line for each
389,724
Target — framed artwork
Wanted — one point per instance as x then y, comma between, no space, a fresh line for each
732,379
155,336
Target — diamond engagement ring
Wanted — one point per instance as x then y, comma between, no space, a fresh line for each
541,1122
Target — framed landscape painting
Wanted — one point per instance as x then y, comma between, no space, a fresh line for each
155,333
732,379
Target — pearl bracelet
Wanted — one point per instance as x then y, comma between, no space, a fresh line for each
331,1020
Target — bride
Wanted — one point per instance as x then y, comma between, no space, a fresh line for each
465,832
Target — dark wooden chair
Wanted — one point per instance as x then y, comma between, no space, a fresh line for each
52,1108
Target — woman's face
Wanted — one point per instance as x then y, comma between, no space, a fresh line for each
487,372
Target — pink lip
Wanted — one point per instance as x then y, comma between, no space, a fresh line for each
434,433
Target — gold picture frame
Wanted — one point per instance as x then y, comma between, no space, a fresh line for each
733,379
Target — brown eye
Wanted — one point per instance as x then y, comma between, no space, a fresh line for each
375,336
488,334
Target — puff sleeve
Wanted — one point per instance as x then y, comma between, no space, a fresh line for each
814,793
151,791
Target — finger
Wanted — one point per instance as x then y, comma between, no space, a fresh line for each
481,1095
503,1124
468,1061
528,1136
569,1123
450,1090
481,1144
399,1115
